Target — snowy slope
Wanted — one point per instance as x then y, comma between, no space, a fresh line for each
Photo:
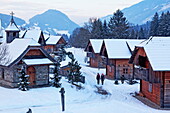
53,21
47,100
144,11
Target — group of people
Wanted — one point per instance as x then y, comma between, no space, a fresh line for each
98,78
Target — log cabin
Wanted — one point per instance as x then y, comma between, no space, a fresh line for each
117,53
23,52
152,65
27,53
53,43
93,52
35,34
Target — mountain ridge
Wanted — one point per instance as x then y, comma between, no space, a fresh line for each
143,11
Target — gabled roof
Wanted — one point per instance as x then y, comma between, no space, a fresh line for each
53,40
158,52
96,44
33,33
17,47
117,49
12,26
133,42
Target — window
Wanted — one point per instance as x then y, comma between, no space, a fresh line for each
3,73
150,87
14,34
90,49
110,69
142,61
125,70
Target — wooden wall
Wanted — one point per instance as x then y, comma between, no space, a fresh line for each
153,95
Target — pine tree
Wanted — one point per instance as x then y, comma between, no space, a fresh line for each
118,26
62,53
154,25
162,23
105,32
77,74
56,79
72,68
23,80
96,29
74,72
141,34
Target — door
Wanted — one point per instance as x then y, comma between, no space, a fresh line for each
31,73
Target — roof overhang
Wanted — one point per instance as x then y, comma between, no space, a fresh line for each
42,61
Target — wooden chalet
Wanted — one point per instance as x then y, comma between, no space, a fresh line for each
53,43
35,34
93,52
152,64
117,53
24,52
27,53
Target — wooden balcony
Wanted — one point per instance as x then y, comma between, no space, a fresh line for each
141,73
90,54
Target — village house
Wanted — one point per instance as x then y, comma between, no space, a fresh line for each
152,64
23,52
117,53
35,34
53,43
93,52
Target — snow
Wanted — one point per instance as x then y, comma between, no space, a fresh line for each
37,61
96,44
33,33
12,27
47,100
133,43
18,46
53,40
157,50
117,49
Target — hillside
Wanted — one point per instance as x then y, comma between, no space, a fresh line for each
6,19
143,11
52,21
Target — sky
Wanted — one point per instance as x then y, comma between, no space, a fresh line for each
77,10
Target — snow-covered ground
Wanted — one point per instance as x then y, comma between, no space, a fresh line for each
47,100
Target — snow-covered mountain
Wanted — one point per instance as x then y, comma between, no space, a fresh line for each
143,11
53,21
6,19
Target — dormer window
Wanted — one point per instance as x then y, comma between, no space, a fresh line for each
142,61
14,34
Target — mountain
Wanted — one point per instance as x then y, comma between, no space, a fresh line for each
143,11
52,21
6,20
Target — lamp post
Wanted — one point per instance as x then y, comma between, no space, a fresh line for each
62,98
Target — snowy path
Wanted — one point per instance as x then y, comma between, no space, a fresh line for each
47,100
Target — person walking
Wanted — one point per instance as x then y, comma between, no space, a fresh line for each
98,78
102,78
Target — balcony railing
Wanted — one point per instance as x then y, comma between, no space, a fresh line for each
141,73
90,54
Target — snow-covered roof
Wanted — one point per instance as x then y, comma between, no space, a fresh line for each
133,42
53,40
158,52
117,49
12,26
37,61
17,47
33,33
96,44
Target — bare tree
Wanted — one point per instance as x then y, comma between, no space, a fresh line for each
4,55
